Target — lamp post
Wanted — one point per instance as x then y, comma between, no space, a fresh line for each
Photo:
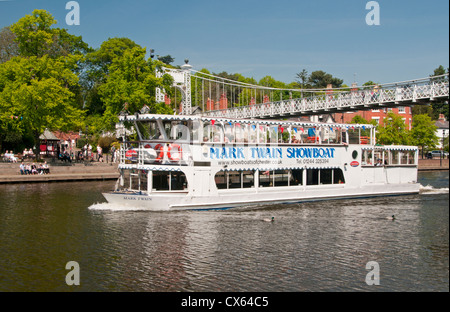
442,147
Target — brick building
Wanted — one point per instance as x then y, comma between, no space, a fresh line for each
377,114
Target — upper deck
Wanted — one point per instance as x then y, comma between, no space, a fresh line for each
197,129
174,140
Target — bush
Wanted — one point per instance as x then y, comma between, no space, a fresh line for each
105,143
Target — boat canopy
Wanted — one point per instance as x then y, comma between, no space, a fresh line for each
154,117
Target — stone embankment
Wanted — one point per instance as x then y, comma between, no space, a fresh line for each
10,173
433,164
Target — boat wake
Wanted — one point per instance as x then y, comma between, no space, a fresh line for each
430,190
118,207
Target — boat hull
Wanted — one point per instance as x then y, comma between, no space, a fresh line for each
240,198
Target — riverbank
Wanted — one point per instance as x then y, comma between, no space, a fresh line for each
433,164
59,172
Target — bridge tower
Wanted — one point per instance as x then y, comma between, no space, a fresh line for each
181,81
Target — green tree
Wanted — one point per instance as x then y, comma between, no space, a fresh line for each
168,59
320,80
37,91
96,72
360,120
303,76
131,84
393,132
36,37
423,132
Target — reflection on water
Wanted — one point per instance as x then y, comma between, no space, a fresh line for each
317,246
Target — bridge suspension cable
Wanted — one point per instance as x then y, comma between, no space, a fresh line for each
227,94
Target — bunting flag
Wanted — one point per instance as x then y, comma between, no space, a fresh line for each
364,128
253,127
213,122
282,129
295,130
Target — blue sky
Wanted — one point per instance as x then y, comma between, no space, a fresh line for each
276,38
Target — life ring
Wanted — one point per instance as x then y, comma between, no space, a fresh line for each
159,148
177,154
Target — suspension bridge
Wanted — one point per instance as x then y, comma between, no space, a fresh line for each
227,98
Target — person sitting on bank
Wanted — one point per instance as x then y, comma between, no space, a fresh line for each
34,169
45,168
22,168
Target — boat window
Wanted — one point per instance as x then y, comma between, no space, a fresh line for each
235,179
281,178
353,136
367,158
181,131
338,176
411,157
228,133
213,133
310,135
263,134
252,133
143,178
272,135
406,158
283,134
221,180
241,133
148,130
135,180
312,176
394,158
296,177
296,135
271,178
338,134
265,178
324,176
169,181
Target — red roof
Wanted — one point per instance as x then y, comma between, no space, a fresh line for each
66,136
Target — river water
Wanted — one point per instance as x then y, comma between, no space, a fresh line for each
316,246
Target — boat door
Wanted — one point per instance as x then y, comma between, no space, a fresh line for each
202,181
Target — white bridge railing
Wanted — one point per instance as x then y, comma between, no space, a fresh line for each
404,93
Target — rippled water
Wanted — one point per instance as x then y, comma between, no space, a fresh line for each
316,246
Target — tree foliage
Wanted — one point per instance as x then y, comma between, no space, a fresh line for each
423,132
36,37
394,131
130,85
35,95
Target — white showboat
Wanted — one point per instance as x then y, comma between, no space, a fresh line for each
192,162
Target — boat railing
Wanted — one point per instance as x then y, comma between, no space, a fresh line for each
156,152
